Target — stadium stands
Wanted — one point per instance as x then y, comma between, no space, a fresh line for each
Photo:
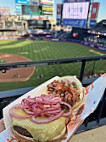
42,28
12,28
97,34
99,27
38,24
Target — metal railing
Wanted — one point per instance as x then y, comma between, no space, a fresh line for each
83,60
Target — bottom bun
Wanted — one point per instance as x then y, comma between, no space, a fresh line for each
23,138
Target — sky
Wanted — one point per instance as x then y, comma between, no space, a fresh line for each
101,14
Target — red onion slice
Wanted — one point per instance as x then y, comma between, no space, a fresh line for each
12,114
56,106
51,112
41,106
70,109
29,112
48,120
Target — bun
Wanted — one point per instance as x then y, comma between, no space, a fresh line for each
22,138
50,132
80,87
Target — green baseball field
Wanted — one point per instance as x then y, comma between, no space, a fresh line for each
42,50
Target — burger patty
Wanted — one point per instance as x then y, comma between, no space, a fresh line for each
22,131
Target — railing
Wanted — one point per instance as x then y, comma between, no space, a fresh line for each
83,60
94,120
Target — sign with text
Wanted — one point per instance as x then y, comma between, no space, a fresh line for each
47,10
26,2
46,2
59,14
92,23
95,9
34,2
75,22
18,9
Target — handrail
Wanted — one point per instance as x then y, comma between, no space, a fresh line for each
50,62
7,66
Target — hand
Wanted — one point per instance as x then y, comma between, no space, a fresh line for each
2,127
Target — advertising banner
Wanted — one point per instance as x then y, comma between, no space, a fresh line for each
59,14
47,7
76,0
18,9
75,22
75,14
26,2
92,23
94,11
34,2
47,10
46,2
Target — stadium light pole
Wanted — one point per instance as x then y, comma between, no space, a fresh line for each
87,24
62,14
89,11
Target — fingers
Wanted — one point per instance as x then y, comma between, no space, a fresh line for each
2,127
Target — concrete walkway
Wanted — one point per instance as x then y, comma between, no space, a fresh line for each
94,135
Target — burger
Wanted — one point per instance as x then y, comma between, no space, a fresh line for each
45,118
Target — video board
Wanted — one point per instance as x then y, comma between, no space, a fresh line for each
32,10
75,14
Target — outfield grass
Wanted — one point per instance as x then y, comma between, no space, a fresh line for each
41,50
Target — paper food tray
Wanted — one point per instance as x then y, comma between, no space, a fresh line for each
93,94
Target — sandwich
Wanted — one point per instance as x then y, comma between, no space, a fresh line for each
40,119
69,89
45,118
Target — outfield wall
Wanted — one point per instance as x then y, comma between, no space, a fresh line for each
56,39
